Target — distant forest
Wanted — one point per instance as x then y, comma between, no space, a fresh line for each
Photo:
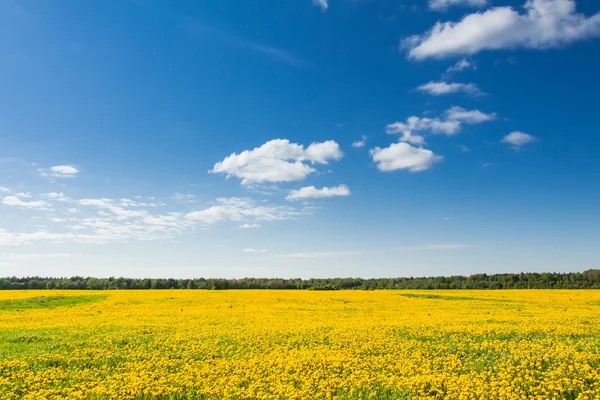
589,279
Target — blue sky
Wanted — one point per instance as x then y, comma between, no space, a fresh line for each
298,139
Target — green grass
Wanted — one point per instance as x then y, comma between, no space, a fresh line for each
47,302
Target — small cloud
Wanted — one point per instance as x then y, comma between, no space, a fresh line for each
518,139
442,88
254,251
4,189
14,201
184,198
404,156
311,192
56,196
323,4
434,247
464,148
25,195
487,164
59,171
360,143
249,226
459,66
443,5
446,218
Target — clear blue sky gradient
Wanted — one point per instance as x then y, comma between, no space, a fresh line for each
144,97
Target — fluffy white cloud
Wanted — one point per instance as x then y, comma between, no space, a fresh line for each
417,124
249,226
518,139
360,143
4,189
64,169
254,251
240,209
56,196
404,156
469,117
324,254
277,161
311,192
544,24
59,171
441,88
14,201
24,195
443,5
450,125
323,4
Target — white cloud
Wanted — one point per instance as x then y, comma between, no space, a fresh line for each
441,88
240,209
518,139
64,169
56,196
184,198
404,156
442,5
249,226
459,66
417,124
323,4
24,195
464,148
450,125
433,247
545,24
254,251
277,161
60,171
4,189
320,254
311,192
360,143
470,117
14,201
173,219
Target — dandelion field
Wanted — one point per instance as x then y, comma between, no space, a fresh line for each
177,344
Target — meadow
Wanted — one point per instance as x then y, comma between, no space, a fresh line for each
177,344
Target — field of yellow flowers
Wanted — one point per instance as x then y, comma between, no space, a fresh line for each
179,344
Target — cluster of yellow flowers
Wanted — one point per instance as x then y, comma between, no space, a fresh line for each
177,344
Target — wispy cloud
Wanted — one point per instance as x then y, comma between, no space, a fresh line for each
248,250
197,27
434,247
323,4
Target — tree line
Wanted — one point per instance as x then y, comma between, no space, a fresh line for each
589,279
